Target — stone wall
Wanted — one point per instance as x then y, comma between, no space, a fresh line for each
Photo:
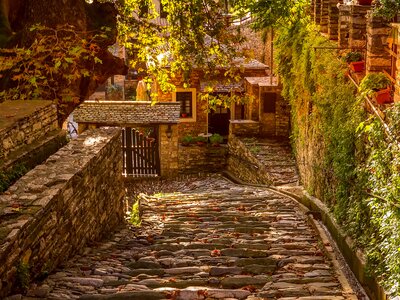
282,117
246,128
169,150
199,159
52,212
28,129
244,165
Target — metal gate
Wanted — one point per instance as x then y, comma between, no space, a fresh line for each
140,152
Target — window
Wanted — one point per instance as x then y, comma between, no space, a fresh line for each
163,13
187,99
269,102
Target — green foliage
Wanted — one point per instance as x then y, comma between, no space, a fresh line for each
387,9
216,139
266,13
23,275
187,139
134,214
346,160
353,57
200,139
7,178
44,72
194,35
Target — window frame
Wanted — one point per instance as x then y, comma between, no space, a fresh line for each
194,110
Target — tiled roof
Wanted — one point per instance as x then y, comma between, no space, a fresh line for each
127,112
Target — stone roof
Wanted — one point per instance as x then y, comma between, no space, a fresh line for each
264,81
127,113
249,63
222,87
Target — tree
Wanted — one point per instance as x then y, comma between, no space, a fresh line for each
64,58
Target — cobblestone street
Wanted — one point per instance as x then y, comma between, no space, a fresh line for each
210,239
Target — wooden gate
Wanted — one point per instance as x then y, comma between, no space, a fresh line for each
140,152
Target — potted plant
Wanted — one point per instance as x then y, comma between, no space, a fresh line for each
354,59
201,140
216,139
376,85
187,140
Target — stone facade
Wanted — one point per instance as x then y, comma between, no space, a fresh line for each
28,129
244,165
52,212
169,150
274,120
195,159
126,112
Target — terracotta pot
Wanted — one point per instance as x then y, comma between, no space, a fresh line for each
357,66
383,96
364,2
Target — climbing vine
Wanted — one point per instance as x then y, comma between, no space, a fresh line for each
344,156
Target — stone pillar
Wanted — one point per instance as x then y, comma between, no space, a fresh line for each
312,10
169,150
377,33
324,18
333,20
317,11
344,25
396,37
358,25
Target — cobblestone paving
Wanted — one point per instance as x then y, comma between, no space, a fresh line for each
277,157
217,241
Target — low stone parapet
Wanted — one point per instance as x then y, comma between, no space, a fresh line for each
244,165
200,159
246,128
52,212
23,122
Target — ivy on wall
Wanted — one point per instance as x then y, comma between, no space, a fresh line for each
344,156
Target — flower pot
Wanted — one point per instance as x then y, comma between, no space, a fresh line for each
357,66
200,144
216,144
364,2
383,96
